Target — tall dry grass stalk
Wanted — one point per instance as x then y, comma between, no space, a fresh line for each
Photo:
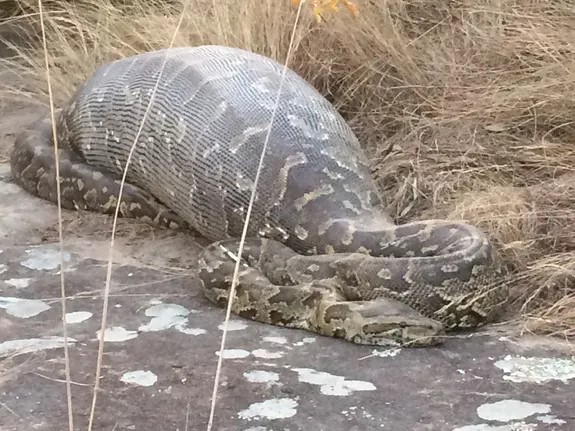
466,108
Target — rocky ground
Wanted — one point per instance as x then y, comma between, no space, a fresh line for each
163,338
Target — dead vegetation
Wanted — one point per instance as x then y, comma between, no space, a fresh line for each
466,108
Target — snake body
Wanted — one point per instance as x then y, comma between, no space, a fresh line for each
321,253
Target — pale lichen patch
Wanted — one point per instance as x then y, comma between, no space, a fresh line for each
139,378
536,369
234,354
44,258
18,283
77,317
332,384
508,410
23,308
31,345
275,408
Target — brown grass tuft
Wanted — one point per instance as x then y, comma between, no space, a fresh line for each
465,108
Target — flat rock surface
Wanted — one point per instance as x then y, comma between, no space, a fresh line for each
163,337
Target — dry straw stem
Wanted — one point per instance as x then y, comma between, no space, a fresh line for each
464,107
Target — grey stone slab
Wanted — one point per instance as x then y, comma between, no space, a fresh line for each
162,363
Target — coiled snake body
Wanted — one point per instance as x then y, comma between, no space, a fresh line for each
321,254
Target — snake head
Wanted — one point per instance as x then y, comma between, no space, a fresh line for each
402,332
381,322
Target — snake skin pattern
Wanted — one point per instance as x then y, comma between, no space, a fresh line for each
321,255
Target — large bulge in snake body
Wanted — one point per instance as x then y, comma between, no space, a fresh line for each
199,147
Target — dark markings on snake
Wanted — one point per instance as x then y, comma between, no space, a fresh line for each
322,253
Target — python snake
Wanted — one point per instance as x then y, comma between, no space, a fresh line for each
321,254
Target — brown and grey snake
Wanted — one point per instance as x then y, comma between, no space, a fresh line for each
321,253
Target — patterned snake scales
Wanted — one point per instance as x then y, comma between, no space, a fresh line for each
321,253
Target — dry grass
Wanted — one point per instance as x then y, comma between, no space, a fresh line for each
476,98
